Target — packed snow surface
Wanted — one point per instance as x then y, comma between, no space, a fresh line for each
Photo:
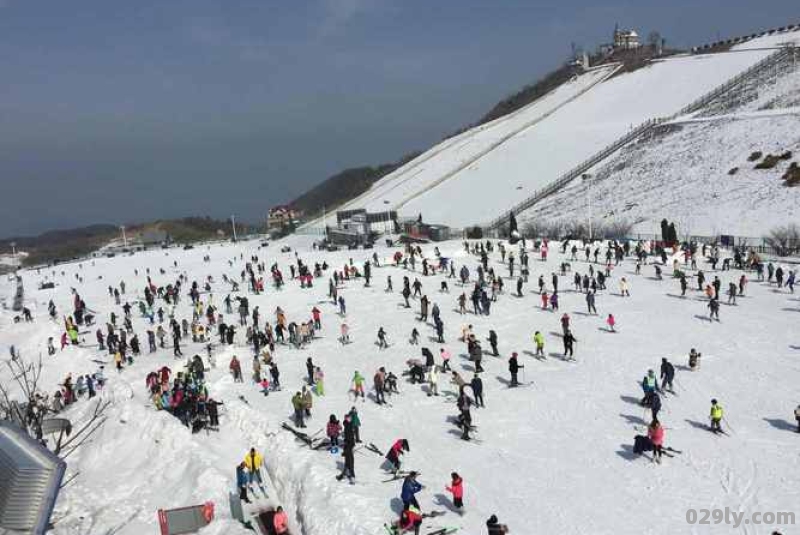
696,174
551,457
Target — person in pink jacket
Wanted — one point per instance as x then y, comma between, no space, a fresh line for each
445,354
655,432
456,488
280,521
610,321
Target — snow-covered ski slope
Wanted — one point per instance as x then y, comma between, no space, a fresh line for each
537,155
682,174
451,155
696,170
551,457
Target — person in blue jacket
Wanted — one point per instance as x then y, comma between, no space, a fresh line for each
241,482
410,487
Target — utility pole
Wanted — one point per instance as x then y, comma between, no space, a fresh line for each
14,254
587,179
233,225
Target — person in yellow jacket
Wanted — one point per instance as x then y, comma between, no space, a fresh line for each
538,339
253,461
716,416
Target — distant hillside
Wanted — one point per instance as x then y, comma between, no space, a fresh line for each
61,245
344,186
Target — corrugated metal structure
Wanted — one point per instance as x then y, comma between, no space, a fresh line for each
30,478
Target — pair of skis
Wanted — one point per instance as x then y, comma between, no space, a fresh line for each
304,437
398,475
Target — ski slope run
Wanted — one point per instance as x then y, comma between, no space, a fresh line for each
454,154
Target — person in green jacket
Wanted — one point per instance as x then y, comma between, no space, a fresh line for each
538,338
299,408
716,416
355,421
358,385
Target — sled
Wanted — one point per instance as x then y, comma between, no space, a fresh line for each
264,521
185,519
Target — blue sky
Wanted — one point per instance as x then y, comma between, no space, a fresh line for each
120,111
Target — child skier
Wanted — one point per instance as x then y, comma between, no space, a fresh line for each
716,415
456,488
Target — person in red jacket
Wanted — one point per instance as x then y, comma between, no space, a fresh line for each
655,432
280,521
410,520
397,449
610,321
456,488
315,312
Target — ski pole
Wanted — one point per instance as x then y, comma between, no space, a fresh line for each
725,419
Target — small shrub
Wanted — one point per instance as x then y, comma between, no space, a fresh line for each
792,175
785,240
769,162
733,171
755,156
786,155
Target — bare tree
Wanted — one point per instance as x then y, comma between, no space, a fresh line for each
654,39
30,407
785,240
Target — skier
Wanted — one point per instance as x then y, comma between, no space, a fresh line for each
649,387
382,344
716,415
456,488
433,381
414,340
624,288
694,359
713,306
410,487
445,359
655,432
590,297
610,321
358,386
667,375
493,342
410,521
797,417
253,462
569,341
280,522
477,390
333,429
513,368
538,339
241,482
565,323
494,527
297,405
393,455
